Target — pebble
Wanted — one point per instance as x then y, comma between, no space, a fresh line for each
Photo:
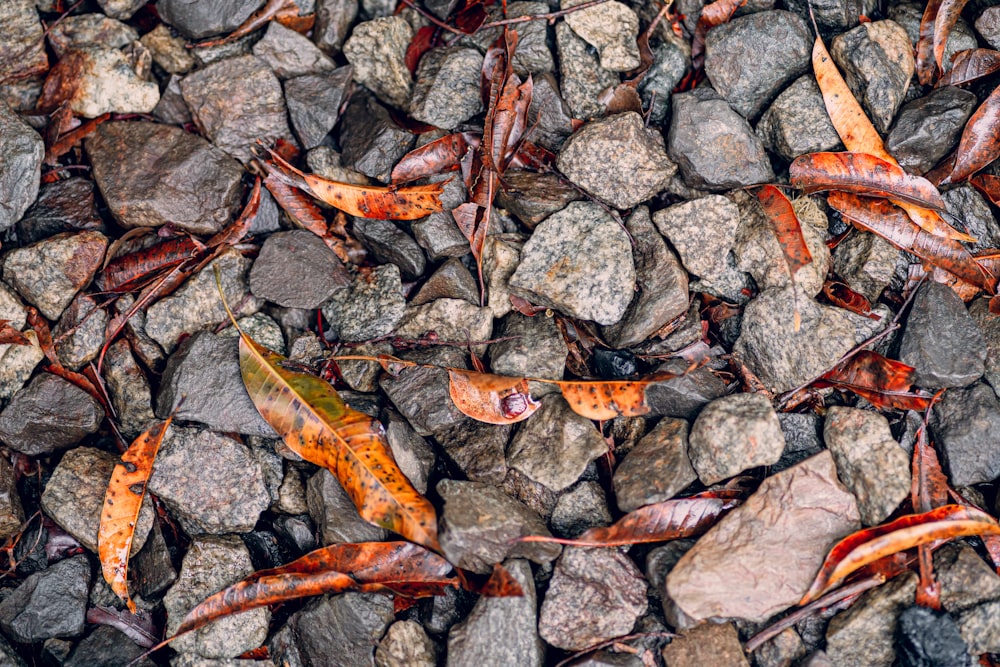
534,196
617,159
388,244
964,426
793,517
580,508
865,633
611,28
168,51
63,206
377,49
151,174
446,92
372,142
341,629
708,643
611,585
733,434
47,415
406,644
578,261
50,603
451,280
803,438
90,30
204,19
937,315
797,122
581,77
314,102
534,347
335,515
929,127
290,54
333,23
703,231
657,469
866,262
930,639
295,269
80,332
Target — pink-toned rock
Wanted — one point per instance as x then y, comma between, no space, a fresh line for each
761,558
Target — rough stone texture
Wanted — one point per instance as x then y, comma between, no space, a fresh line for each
108,83
580,508
966,579
594,595
671,60
369,308
876,60
703,231
314,102
582,79
549,116
341,629
450,319
500,631
928,637
107,647
373,143
17,362
535,348
11,511
296,269
49,273
447,88
617,159
989,325
388,244
973,215
979,627
867,263
865,633
869,461
50,603
23,150
965,427
198,19
211,564
236,102
708,643
928,128
578,261
532,55
534,196
733,434
151,174
451,280
335,514
74,496
63,206
172,109
833,16
80,332
377,50
988,25
657,469
406,644
47,415
23,51
290,54
480,522
90,30
713,145
685,395
937,315
501,258
797,122
168,51
611,28
761,557
749,59
781,356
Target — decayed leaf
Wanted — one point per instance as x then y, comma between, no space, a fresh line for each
843,296
989,185
980,143
440,155
122,502
425,39
494,399
970,65
11,336
867,546
862,174
786,227
925,65
884,383
131,271
947,15
67,141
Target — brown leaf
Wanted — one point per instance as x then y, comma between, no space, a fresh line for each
947,15
440,155
929,487
422,42
844,297
11,336
989,185
884,383
925,65
66,142
970,65
133,270
980,143
786,227
470,17
494,399
63,81
607,399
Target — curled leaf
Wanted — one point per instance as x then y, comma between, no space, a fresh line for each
786,227
607,399
128,272
494,399
970,65
844,297
947,16
885,383
11,336
980,143
440,155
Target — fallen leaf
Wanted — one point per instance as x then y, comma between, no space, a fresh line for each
989,185
980,142
844,297
885,383
66,142
925,65
970,65
139,627
947,15
435,157
470,17
11,336
786,227
494,399
425,39
133,270
607,399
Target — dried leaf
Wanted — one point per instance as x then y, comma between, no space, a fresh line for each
929,487
844,297
11,336
425,39
884,383
66,142
133,270
440,155
607,399
970,65
980,143
494,399
786,227
989,185
925,65
470,17
947,15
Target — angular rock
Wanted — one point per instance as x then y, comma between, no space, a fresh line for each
336,515
439,236
47,415
671,60
714,147
833,16
501,258
926,637
549,116
797,122
295,269
533,347
989,325
333,23
966,580
974,216
685,395
534,196
988,25
261,328
657,469
611,28
369,308
406,644
760,558
733,434
204,19
23,49
23,150
80,332
108,83
580,262
341,629
290,54
74,496
50,603
611,584
979,627
867,263
63,206
372,141
236,102
17,362
708,643
389,244
865,633
151,174
451,281
803,438
168,51
84,31
937,315
377,50
447,87
581,77
703,231
533,55
450,319
929,127
107,647
153,567
580,508
751,58
965,425
617,159
314,102
412,453
172,109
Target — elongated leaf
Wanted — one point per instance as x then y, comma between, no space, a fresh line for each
980,143
862,174
425,39
843,296
884,383
122,502
989,185
929,486
607,399
132,271
970,65
317,425
11,336
494,399
925,65
66,142
867,546
786,227
444,154
947,15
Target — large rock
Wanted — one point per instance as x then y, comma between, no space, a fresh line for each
22,151
290,54
656,469
733,434
761,558
797,122
929,127
203,18
965,426
865,633
447,88
295,269
108,83
50,603
48,415
703,231
377,50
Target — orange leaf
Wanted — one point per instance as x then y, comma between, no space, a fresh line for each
122,502
444,154
844,297
970,65
132,271
11,336
494,399
607,399
925,66
786,227
980,143
989,185
867,546
947,15
929,487
884,383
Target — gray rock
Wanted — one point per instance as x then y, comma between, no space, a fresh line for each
869,461
611,28
797,122
63,206
617,159
500,631
212,563
532,55
261,328
713,145
440,237
447,87
782,356
236,102
938,314
803,438
979,627
24,57
988,25
580,262
451,280
761,557
413,455
336,515
23,150
48,415
153,567
657,469
966,580
733,434
11,511
296,269
703,231
341,629
864,634
537,497
480,523
369,308
198,19
876,60
205,370
683,396
389,244
533,196
708,643
671,60
535,348
151,174
501,257
314,102
932,636
974,215
50,603
49,273
377,50
580,508
406,644
74,496
169,51
80,332
172,109
373,143
581,77
964,426
326,162
749,59
989,325
549,117
928,128
290,54
611,584
833,16
454,320
17,362
109,83
107,647
867,263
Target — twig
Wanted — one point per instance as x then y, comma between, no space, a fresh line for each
433,19
550,17
611,642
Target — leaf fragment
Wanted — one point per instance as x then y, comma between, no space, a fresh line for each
494,399
786,227
885,383
970,65
980,142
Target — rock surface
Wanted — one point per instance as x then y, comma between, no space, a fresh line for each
733,434
296,269
22,149
376,50
863,635
50,603
965,421
657,469
938,315
47,415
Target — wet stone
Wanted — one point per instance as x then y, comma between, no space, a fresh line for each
867,263
615,591
49,273
714,147
965,426
733,434
87,30
938,314
930,639
296,269
685,395
342,629
535,347
581,77
974,216
204,19
549,117
532,55
413,454
236,102
389,244
377,50
372,142
169,52
611,28
80,332
47,415
533,196
703,231
865,633
797,122
335,514
989,325
671,60
749,59
290,54
580,508
153,568
406,644
447,87
480,522
333,23
151,174
74,497
63,206
708,643
314,102
107,647
451,280
908,14
928,128
172,109
22,52
501,257
657,469
833,16
50,603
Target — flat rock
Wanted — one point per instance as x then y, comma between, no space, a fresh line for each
657,469
314,102
703,231
295,269
50,603
198,19
528,346
388,244
48,415
708,643
74,497
964,426
447,87
733,434
867,262
341,629
376,50
151,174
406,644
581,77
611,28
937,315
797,122
749,59
451,280
761,558
929,127
236,102
335,515
617,159
290,54
23,150
109,84
578,261
372,142
864,634
611,584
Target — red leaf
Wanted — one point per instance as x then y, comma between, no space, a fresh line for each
786,227
945,20
844,297
470,17
979,144
132,271
885,383
970,65
11,336
435,157
989,185
925,66
425,39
